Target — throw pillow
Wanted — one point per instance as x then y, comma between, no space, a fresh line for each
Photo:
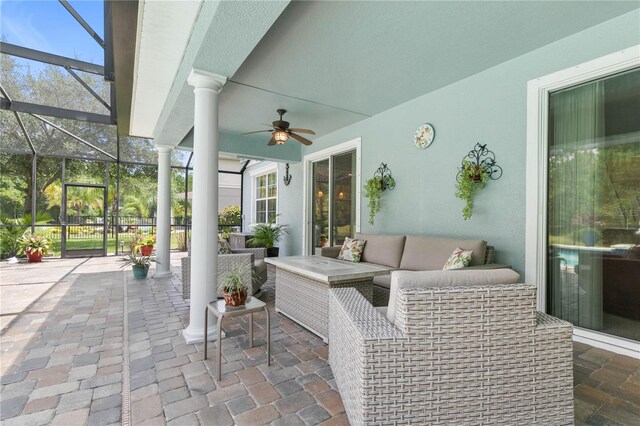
459,259
223,247
352,250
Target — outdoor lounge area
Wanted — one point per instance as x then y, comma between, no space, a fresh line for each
440,224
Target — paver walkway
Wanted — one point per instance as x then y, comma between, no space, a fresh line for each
64,361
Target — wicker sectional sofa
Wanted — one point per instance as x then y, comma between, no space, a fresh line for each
414,253
473,354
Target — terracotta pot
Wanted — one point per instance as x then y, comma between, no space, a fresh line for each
34,256
146,250
235,298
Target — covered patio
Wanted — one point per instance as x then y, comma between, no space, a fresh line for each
395,112
99,348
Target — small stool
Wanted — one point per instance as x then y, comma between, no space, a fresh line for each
220,310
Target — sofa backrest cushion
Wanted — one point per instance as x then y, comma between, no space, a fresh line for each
431,253
382,249
452,278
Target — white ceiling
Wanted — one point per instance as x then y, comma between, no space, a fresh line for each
334,63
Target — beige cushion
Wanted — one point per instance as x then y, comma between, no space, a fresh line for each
384,249
454,278
382,281
431,253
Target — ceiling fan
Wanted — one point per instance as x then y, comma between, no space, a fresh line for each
280,131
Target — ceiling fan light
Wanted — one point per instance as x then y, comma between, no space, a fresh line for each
280,136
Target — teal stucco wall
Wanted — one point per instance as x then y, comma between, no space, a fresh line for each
489,107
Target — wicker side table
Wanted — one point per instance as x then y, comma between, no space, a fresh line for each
221,311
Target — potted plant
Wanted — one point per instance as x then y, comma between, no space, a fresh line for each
145,244
472,179
233,287
373,189
34,246
139,263
267,235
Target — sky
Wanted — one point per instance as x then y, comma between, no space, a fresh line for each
48,26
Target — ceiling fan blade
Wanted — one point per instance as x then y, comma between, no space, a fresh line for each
272,141
307,131
257,131
300,139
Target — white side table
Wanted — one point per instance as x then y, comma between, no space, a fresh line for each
221,311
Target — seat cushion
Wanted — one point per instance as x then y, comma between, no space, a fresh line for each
260,269
383,249
452,278
431,253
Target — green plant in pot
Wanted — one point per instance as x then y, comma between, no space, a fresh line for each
139,264
471,180
145,244
267,235
233,287
373,189
34,247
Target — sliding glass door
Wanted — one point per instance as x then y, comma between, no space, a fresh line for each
333,200
594,205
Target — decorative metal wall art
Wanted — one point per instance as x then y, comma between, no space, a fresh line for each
287,177
483,159
384,175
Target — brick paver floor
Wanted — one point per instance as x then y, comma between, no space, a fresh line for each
64,361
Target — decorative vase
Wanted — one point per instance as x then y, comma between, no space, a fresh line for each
235,298
34,256
146,250
273,251
140,272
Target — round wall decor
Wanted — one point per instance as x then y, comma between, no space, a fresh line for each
424,136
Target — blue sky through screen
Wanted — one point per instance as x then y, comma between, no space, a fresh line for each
48,26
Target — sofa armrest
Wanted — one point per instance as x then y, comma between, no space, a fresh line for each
333,251
259,253
489,266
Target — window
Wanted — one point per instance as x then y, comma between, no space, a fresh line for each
266,197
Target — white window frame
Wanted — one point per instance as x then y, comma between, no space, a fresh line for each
352,145
536,179
254,174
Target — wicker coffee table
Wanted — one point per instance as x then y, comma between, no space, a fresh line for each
303,283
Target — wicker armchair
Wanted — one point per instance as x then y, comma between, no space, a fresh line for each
457,355
226,263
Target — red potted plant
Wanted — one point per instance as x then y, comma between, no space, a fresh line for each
34,247
145,244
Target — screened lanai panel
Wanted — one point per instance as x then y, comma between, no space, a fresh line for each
48,140
49,188
47,26
15,185
12,138
180,158
51,85
138,150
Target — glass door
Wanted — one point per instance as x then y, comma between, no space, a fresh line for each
84,230
593,204
333,200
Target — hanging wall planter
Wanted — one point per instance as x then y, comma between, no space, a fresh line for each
478,167
374,187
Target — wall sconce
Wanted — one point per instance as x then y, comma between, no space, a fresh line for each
341,195
287,177
320,194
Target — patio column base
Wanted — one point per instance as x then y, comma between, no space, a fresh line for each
163,274
197,336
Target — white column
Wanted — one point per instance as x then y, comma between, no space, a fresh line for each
163,220
204,235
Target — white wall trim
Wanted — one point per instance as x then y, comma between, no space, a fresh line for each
536,164
255,172
307,182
